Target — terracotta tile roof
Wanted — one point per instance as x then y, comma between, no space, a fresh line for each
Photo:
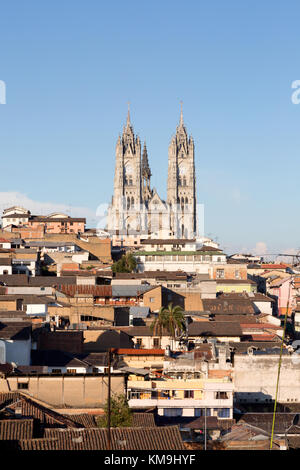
237,318
261,326
150,438
32,409
96,291
143,420
15,330
283,422
274,266
15,429
140,352
214,328
85,420
263,337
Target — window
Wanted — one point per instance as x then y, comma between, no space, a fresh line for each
139,341
220,273
201,412
56,371
156,342
173,412
71,371
23,385
189,394
223,413
152,299
221,395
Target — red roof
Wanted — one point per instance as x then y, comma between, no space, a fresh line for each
97,291
140,352
260,326
263,337
274,266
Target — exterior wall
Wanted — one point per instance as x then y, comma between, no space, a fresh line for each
141,362
8,305
6,245
153,299
236,287
263,370
5,269
147,342
192,299
71,391
231,271
173,262
170,394
17,351
29,290
220,339
53,226
30,232
37,309
263,307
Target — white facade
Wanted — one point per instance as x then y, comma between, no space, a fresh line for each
5,269
15,216
262,369
217,397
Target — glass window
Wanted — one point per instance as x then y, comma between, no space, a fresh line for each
175,412
201,412
189,394
224,413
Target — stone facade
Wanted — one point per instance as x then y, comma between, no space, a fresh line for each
137,210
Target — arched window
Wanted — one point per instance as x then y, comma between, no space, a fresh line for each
132,202
128,203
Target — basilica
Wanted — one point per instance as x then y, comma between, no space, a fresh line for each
136,208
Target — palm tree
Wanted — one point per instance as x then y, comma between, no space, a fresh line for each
170,319
158,325
175,323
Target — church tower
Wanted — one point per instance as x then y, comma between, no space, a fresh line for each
127,197
181,191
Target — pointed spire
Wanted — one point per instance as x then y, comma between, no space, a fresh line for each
145,163
128,123
181,114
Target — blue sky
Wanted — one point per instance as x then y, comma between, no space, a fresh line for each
70,67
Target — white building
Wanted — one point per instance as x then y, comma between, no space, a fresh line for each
178,255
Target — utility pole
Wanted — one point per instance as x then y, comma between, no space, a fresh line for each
205,430
109,400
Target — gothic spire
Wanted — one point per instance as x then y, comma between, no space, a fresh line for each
181,115
145,163
128,123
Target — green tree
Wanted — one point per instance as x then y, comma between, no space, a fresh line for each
127,264
159,323
120,413
170,319
174,320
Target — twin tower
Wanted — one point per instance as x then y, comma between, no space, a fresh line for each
136,209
